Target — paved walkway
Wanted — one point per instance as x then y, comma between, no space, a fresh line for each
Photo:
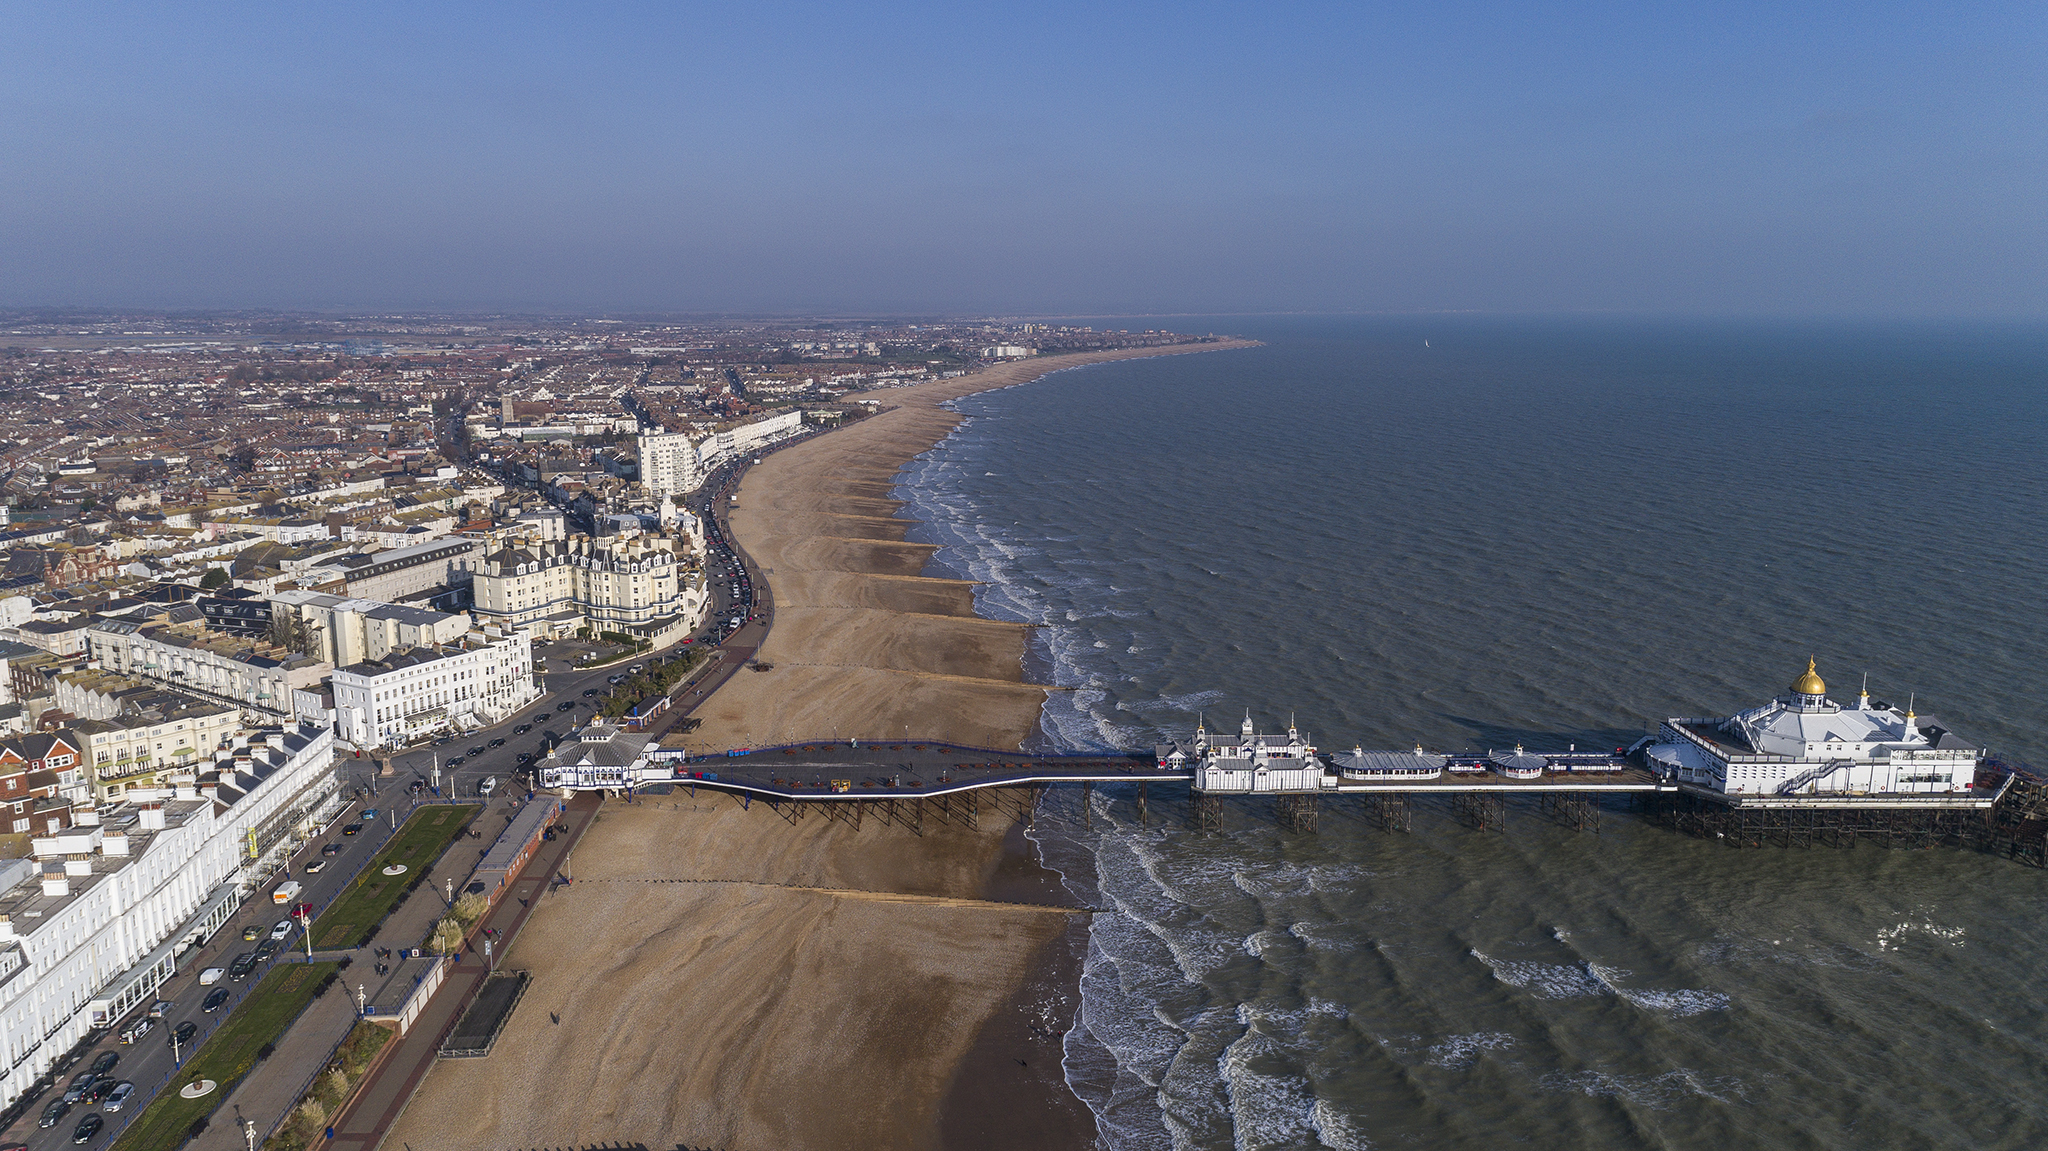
273,1086
362,1126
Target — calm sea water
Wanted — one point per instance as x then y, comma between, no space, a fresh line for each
1547,533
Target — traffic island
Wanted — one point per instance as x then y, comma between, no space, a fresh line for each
353,918
226,1055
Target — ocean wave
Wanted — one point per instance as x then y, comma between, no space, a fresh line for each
1587,980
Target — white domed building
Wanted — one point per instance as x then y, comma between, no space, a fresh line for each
1804,744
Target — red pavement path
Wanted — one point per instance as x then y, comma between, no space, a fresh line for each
362,1126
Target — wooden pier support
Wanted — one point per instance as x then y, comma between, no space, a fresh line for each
1206,811
1575,810
1088,805
1390,811
1298,812
1481,810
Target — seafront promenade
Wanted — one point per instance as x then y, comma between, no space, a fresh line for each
384,1094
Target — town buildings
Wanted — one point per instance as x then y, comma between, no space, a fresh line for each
639,583
92,920
415,692
259,677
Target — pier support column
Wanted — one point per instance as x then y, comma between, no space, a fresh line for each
970,805
1206,811
1088,806
1298,812
1481,810
1141,803
1391,812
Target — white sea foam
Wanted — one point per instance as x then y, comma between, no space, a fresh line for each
1580,981
1658,1092
1457,1052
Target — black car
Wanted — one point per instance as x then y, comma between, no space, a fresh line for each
474,751
214,999
105,1062
53,1112
565,705
267,948
588,692
351,829
87,1128
183,1032
522,729
100,1089
455,761
497,743
80,1084
331,849
243,965
526,757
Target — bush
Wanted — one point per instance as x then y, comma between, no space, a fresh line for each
265,1051
447,936
470,908
197,1129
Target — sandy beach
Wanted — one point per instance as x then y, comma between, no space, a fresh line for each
721,977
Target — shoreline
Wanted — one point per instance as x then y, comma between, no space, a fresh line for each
721,973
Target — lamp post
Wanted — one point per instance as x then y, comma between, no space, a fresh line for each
249,1133
361,1001
177,1053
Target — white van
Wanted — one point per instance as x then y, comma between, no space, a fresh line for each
211,976
286,890
489,785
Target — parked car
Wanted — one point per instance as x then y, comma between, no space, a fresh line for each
282,929
183,1032
214,999
160,1008
369,813
79,1083
137,1030
351,829
118,1097
250,933
87,1128
53,1112
316,867
242,966
99,1090
489,785
105,1062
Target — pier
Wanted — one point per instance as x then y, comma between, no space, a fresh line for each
913,784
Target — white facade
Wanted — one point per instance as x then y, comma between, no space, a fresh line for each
675,463
353,630
611,583
1804,744
1257,763
602,758
258,677
417,692
88,926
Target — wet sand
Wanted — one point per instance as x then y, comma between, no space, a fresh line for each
723,977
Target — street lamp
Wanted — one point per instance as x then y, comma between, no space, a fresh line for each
361,1001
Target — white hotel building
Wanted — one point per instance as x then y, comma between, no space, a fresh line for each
675,463
91,924
415,692
1804,744
630,583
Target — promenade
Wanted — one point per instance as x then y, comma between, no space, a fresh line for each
384,1095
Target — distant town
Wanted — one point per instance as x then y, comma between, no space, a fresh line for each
247,559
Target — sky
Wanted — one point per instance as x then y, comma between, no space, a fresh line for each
1810,159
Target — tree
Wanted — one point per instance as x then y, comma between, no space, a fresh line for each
214,578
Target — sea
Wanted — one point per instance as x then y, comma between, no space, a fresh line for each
1471,533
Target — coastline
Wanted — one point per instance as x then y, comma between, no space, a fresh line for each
719,975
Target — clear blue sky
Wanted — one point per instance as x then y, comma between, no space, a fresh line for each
1713,158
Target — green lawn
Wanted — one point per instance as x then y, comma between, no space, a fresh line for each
353,918
226,1055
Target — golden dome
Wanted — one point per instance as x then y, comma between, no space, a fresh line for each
1810,683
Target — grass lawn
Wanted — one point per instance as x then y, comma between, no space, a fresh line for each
351,919
226,1055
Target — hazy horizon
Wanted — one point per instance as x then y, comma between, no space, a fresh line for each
1599,159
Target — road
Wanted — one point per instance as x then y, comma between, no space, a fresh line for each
738,620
